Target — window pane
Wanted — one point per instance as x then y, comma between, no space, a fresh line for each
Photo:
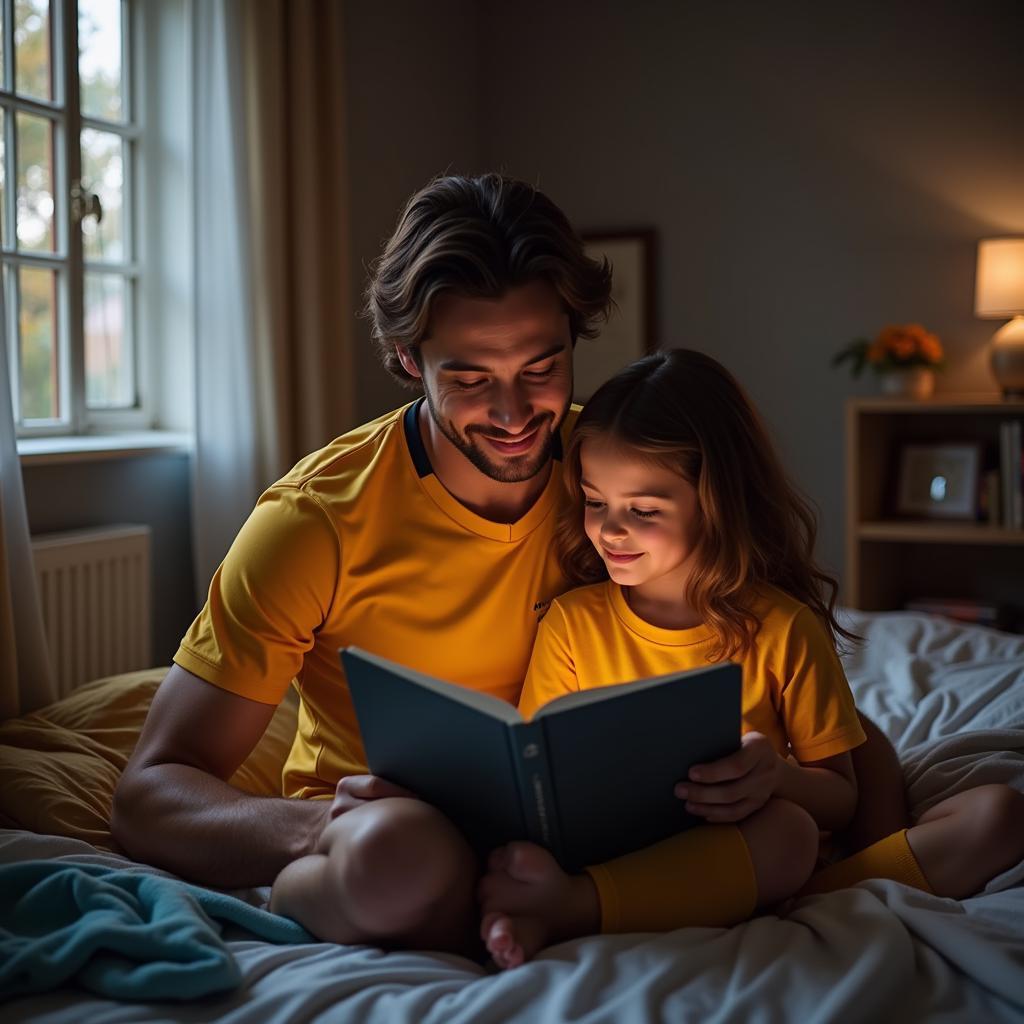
109,362
37,338
4,239
35,183
32,48
99,58
11,339
103,173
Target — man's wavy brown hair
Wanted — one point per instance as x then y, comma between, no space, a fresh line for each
683,410
478,237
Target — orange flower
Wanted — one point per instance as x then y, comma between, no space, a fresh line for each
931,348
902,346
905,344
896,347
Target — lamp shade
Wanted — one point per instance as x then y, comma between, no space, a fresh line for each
999,287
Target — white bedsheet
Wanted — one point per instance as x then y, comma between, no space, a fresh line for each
952,700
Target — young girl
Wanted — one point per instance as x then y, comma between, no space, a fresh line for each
696,549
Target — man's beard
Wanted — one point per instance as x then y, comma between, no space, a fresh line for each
513,470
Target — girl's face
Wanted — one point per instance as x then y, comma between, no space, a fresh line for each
642,518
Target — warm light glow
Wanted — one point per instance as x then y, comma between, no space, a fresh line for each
999,288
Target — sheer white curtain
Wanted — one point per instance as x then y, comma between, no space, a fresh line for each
26,682
233,425
273,317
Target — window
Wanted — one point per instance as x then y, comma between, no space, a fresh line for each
69,247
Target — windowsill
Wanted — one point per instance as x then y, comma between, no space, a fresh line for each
39,451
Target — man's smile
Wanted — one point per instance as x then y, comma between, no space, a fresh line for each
516,446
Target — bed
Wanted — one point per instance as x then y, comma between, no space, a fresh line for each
951,698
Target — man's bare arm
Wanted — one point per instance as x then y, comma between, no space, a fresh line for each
173,807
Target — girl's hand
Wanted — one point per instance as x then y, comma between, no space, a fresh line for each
732,788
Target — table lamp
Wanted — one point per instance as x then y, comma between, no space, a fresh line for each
999,295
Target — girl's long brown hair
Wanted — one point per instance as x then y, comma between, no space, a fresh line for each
685,411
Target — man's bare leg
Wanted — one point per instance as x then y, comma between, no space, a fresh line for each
394,872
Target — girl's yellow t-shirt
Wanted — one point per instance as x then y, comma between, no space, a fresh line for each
794,689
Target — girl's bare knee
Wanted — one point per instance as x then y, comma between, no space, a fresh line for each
783,842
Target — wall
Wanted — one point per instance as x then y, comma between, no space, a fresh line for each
413,71
153,490
812,176
810,180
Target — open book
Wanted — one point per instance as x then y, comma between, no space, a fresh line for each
590,777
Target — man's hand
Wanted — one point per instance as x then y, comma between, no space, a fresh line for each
355,790
351,792
732,788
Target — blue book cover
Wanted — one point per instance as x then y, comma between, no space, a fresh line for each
590,777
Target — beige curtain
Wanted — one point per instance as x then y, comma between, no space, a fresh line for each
274,317
26,682
296,134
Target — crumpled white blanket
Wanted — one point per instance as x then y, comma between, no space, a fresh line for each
952,700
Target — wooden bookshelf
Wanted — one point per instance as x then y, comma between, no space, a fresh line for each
914,532
892,559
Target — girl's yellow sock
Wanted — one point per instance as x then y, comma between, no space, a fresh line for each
703,876
890,858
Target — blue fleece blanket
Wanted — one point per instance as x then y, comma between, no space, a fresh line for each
122,934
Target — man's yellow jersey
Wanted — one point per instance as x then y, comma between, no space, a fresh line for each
361,544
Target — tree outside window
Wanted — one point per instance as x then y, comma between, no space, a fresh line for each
68,263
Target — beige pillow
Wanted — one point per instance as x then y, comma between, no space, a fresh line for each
59,765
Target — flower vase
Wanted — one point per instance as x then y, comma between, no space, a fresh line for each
913,382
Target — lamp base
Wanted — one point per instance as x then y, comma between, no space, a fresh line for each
1006,357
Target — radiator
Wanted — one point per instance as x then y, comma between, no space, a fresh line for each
94,589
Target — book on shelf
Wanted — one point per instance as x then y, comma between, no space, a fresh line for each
989,497
1011,474
590,777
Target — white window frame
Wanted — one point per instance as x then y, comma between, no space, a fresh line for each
68,257
139,416
164,212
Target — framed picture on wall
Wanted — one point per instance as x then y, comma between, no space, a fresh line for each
938,481
630,331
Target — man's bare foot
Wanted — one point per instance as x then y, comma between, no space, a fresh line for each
528,902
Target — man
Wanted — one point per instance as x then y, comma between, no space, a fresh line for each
424,536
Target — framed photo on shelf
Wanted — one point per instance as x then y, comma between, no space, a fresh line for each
630,331
938,481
